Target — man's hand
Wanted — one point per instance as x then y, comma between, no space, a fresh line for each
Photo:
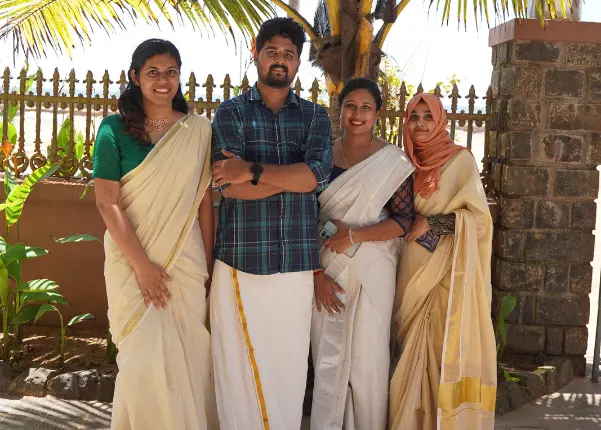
233,170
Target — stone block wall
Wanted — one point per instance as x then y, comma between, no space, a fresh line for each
548,136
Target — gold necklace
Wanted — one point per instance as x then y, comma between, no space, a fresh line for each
155,123
366,151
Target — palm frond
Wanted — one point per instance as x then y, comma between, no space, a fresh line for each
502,8
384,10
37,26
321,21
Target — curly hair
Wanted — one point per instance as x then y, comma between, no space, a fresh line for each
362,84
130,101
283,27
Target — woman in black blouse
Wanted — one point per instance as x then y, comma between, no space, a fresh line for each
370,201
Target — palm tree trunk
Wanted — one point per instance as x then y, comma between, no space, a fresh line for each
334,112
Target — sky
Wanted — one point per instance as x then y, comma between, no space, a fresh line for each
425,50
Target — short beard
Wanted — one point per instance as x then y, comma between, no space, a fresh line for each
273,82
276,83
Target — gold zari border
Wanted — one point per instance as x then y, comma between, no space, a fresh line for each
468,390
251,352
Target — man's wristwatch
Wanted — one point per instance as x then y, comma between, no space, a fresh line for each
256,170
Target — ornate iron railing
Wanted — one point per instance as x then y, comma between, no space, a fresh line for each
34,148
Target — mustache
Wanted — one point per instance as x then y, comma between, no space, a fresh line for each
279,66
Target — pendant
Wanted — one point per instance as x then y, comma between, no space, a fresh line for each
156,123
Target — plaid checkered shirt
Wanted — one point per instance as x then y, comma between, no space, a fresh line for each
277,234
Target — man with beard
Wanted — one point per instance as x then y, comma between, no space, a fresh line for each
272,154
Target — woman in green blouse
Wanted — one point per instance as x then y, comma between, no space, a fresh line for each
152,175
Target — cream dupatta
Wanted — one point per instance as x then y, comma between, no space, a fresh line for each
445,314
357,198
164,359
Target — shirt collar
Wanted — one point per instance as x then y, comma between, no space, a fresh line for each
256,96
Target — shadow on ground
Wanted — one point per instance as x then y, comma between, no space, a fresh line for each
47,413
574,407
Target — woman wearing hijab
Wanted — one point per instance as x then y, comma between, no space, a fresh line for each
446,376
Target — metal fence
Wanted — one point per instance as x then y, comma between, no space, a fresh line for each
32,101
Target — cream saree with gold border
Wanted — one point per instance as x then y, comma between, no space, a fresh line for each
164,359
446,376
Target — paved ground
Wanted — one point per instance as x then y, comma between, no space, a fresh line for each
576,407
48,413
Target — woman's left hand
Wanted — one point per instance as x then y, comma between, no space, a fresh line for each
418,229
340,241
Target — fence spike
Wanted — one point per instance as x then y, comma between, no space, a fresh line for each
38,159
245,85
489,99
209,85
122,82
385,95
454,96
89,90
472,99
192,85
20,161
298,87
5,104
227,87
315,90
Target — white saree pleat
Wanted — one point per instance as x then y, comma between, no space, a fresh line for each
350,349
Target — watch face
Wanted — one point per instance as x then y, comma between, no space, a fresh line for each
256,169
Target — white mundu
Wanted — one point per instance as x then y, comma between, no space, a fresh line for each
260,327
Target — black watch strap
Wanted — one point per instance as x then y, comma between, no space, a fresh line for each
256,170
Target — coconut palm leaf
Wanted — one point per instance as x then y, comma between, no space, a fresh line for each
502,8
37,25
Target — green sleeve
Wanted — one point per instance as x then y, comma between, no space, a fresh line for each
107,160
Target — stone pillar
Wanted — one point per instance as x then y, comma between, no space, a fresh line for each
548,89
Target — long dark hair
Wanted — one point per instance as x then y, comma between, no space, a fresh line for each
130,102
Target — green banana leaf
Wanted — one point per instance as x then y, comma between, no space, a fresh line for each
76,238
9,181
79,318
43,309
37,285
16,199
20,252
47,296
27,314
